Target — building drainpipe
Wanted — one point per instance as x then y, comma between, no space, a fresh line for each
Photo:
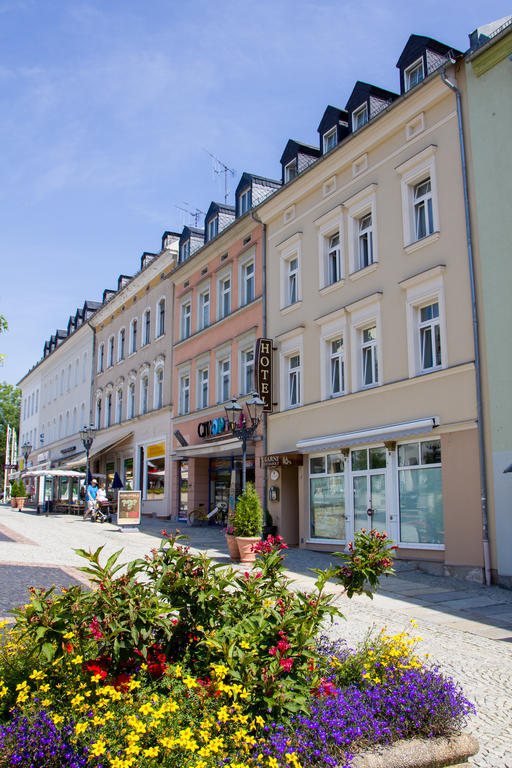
93,363
264,330
474,309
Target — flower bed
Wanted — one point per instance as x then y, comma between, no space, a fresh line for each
177,661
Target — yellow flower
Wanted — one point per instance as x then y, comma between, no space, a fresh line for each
46,702
178,669
37,674
79,728
151,752
44,688
190,682
57,719
77,660
68,635
244,644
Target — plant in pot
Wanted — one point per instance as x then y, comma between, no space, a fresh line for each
269,529
248,522
234,552
14,493
22,495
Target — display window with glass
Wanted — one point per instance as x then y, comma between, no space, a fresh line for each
154,467
327,496
421,493
368,467
109,472
128,474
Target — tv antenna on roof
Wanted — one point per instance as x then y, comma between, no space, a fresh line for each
220,167
195,214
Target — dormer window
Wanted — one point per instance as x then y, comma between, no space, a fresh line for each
185,250
414,74
245,201
359,117
290,170
330,140
213,228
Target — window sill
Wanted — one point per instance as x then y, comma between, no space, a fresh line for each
417,244
290,307
364,271
366,387
331,287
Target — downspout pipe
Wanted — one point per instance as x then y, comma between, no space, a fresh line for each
474,309
256,218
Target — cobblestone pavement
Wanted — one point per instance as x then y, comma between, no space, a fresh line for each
466,628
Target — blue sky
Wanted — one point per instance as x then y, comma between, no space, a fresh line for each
107,108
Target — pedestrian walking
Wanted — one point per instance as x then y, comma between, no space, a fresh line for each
90,498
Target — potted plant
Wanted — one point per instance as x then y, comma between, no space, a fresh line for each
21,494
14,493
248,522
233,550
269,529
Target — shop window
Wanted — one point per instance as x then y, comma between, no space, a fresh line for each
155,471
110,469
420,491
128,474
327,496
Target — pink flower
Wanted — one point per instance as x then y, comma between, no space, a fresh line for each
272,651
95,630
286,664
283,645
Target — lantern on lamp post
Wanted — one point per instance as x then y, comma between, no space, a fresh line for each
243,426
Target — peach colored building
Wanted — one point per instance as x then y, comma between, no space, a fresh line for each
218,305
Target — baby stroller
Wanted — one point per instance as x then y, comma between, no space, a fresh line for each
101,513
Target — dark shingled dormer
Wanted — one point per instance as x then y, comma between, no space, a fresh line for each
296,158
191,239
122,280
251,191
333,128
146,258
420,57
218,217
168,239
107,294
365,103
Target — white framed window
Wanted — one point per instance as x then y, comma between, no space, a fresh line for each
67,424
119,406
75,420
185,319
144,394
420,494
161,317
84,367
204,308
121,345
62,382
359,117
414,74
185,250
332,258
248,278
146,327
293,383
60,426
97,416
365,240
290,170
420,210
362,233
365,342
108,410
336,367
56,391
292,280
68,385
133,336
245,200
223,379
330,139
77,372
130,405
203,386
159,387
224,294
423,212
213,228
426,321
369,360
110,352
184,393
247,370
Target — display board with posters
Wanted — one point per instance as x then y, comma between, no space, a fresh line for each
128,507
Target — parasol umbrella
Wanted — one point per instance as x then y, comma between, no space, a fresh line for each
117,483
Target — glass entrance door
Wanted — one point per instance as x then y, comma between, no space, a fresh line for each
369,488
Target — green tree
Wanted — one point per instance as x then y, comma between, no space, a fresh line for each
3,327
10,402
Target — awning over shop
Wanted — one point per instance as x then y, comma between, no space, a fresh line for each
109,444
375,434
52,473
76,461
232,446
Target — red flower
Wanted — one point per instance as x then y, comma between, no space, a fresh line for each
286,664
120,682
283,645
272,651
95,630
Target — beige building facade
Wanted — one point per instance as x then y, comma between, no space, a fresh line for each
132,383
369,311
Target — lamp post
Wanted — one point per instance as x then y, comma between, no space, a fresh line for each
243,427
87,437
26,450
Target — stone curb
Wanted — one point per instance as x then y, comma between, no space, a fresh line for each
438,752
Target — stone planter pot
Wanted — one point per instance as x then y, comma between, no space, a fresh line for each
234,552
20,502
245,544
439,752
13,503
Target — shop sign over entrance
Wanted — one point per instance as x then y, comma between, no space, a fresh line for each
263,372
212,427
282,460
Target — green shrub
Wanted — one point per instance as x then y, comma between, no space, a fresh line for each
14,490
248,513
22,492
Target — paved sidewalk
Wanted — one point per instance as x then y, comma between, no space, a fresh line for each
466,627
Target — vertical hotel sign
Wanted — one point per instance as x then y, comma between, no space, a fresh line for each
263,372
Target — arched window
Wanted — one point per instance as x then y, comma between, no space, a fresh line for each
77,371
144,390
84,369
147,327
110,352
98,413
130,409
133,336
68,384
82,415
108,410
159,387
120,345
161,317
60,426
119,406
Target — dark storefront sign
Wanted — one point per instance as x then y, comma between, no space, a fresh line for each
212,427
282,460
263,372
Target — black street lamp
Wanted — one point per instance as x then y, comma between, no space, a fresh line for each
87,437
242,427
26,450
